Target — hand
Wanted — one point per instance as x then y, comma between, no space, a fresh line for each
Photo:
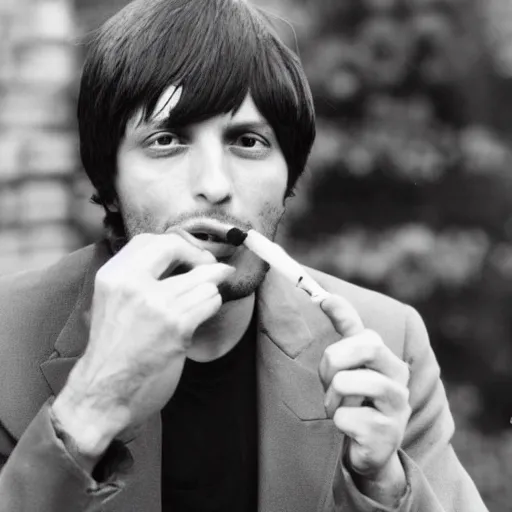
141,328
366,395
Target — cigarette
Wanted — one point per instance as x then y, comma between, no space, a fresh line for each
278,259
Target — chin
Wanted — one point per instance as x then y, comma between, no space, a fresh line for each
244,284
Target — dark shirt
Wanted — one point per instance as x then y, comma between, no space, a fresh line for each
209,427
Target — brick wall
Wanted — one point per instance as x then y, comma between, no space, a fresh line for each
43,212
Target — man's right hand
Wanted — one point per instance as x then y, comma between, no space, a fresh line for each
141,328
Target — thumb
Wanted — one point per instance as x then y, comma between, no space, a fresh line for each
344,317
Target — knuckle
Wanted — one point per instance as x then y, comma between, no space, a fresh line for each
396,395
131,290
153,302
375,347
399,395
106,281
175,322
181,327
338,382
110,281
382,424
370,348
169,321
330,356
339,417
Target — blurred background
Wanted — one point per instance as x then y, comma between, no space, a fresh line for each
408,191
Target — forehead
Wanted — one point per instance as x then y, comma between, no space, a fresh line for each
248,112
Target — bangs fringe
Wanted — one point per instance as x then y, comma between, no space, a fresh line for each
205,46
217,50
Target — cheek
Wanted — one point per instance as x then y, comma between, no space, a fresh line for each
145,189
265,182
271,215
274,192
269,199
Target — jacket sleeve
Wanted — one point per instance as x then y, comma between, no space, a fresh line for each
40,475
436,481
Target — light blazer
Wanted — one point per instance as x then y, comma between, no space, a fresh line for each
43,331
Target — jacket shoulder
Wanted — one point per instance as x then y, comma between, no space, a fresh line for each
34,306
36,300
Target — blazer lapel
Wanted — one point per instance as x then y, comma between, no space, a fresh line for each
142,485
299,446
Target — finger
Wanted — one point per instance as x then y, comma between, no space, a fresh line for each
215,273
155,255
201,311
386,395
342,314
187,311
192,297
366,349
358,423
376,437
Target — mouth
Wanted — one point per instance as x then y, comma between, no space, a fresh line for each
208,237
210,234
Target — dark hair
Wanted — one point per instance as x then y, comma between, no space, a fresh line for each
217,50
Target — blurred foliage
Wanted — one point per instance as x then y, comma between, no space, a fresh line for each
409,191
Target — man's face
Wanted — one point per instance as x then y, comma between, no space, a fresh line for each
227,170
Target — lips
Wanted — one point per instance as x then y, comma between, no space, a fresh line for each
207,237
210,234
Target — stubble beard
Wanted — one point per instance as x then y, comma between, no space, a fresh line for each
244,285
245,282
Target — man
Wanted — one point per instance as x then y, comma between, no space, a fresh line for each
164,369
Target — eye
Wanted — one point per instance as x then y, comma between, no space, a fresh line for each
250,145
251,141
163,140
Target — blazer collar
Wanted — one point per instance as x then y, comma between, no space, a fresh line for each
293,332
298,445
72,340
281,315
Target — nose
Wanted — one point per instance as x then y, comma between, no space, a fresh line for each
211,180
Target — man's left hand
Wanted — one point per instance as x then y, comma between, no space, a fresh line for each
366,395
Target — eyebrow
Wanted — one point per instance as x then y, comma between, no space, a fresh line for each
236,127
249,125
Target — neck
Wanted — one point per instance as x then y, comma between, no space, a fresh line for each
222,332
